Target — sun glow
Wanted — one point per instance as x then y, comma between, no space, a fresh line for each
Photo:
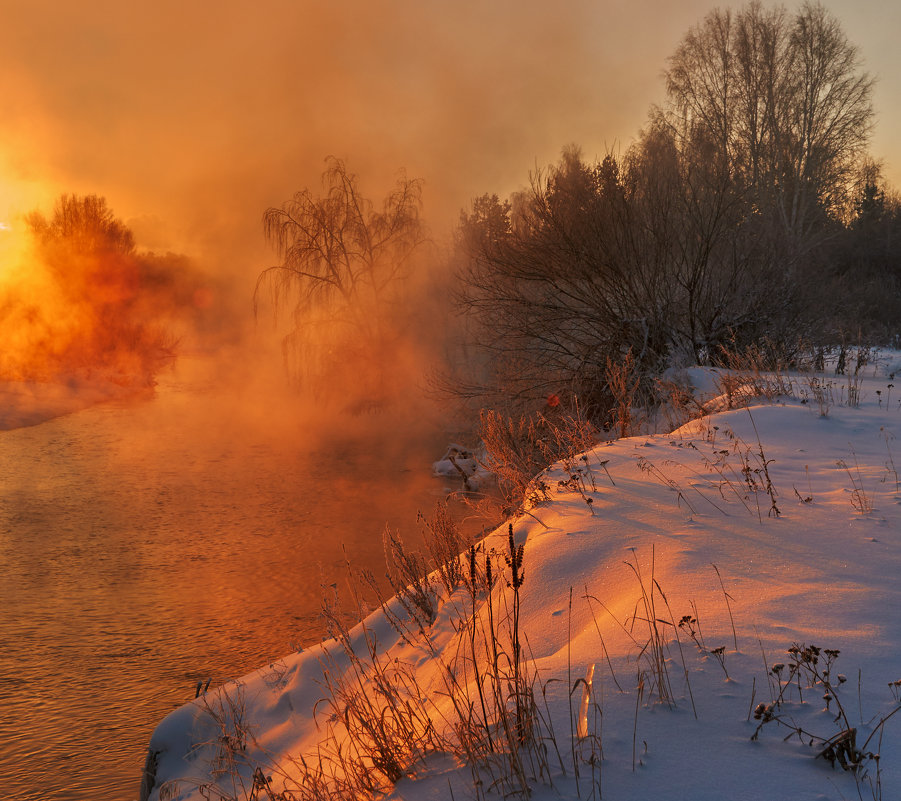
79,300
12,249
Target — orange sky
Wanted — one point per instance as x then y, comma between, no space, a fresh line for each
192,118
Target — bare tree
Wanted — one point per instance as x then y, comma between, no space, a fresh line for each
576,271
833,112
82,225
341,260
338,247
785,102
719,281
698,237
651,254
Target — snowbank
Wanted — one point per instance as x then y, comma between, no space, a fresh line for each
758,529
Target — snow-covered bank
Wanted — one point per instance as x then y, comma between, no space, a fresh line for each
758,529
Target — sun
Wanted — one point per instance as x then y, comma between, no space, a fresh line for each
13,245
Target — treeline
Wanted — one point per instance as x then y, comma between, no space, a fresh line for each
747,216
748,213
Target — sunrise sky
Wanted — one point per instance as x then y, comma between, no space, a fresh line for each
192,118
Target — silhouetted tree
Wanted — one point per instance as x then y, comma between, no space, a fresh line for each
862,278
95,316
84,224
90,253
342,265
645,255
709,232
871,204
786,110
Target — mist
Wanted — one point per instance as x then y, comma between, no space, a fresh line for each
193,120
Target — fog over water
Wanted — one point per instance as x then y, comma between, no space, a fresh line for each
152,543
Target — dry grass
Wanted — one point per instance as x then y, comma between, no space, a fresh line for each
623,381
445,543
490,710
860,500
519,449
377,724
487,706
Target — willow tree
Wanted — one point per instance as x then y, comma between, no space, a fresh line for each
342,266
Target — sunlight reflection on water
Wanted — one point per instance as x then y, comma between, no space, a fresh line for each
146,546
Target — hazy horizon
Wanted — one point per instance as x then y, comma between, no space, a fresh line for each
192,120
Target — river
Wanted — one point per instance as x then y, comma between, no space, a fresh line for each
151,543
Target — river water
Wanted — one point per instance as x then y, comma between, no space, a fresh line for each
149,544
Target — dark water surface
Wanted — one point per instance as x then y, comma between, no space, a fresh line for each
148,544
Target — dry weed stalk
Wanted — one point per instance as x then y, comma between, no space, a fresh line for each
810,668
765,467
653,651
408,575
648,467
623,381
727,598
678,404
519,449
861,502
225,707
821,391
890,464
754,373
445,543
378,723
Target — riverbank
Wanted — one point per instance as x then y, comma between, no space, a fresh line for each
30,403
727,590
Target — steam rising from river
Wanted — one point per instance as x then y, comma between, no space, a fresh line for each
191,122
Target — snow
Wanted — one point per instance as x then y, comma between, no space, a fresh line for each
461,463
671,511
